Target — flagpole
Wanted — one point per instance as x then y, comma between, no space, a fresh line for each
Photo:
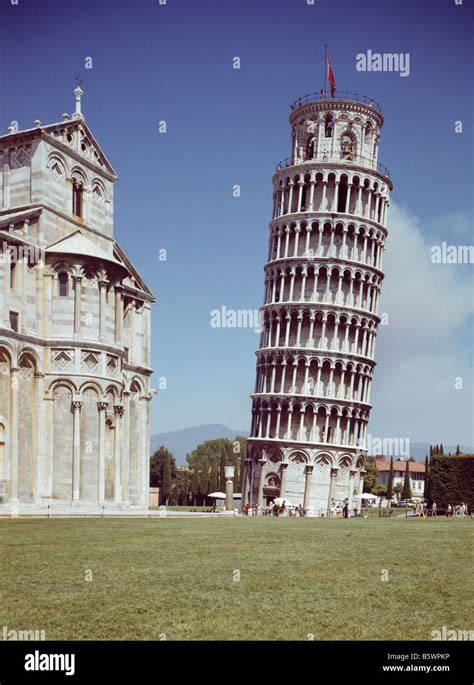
325,66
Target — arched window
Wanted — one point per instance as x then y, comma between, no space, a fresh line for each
368,133
77,191
347,147
63,281
328,126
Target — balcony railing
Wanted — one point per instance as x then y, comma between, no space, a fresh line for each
336,159
339,95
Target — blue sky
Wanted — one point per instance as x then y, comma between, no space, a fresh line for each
173,62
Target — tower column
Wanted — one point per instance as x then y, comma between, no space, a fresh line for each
101,407
77,304
76,449
307,487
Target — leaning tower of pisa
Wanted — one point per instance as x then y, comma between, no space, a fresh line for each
315,361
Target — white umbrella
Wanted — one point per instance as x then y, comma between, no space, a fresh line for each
279,501
217,495
366,495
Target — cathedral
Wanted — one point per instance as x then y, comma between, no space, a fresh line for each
74,327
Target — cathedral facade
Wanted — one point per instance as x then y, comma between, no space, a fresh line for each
74,327
323,276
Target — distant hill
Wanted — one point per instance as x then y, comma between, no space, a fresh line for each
183,441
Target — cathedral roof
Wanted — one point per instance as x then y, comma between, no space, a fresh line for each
77,243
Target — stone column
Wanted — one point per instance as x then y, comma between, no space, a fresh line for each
362,472
351,489
119,314
290,198
277,429
283,475
77,305
15,409
332,488
76,450
246,482
229,488
40,441
307,487
102,407
262,463
102,309
118,411
323,199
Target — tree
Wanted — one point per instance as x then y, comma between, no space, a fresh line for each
166,483
222,478
195,485
398,491
452,480
213,476
157,461
371,477
406,493
390,481
431,451
441,450
427,487
458,451
204,483
412,459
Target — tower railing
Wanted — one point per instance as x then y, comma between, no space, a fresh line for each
336,159
339,95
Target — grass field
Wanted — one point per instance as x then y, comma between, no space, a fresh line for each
297,577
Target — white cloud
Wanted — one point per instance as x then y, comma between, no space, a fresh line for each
428,339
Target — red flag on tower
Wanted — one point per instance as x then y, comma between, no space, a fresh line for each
331,79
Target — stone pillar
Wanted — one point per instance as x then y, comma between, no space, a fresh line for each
40,441
76,450
118,411
102,407
351,489
102,309
246,482
229,488
362,472
15,409
262,463
332,488
77,304
283,475
118,314
307,487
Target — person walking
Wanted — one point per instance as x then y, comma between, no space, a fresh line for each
345,509
433,510
449,511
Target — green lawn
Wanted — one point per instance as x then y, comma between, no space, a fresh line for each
297,577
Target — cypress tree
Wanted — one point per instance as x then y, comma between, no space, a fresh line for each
195,484
222,477
390,481
426,493
166,485
441,451
431,451
213,478
406,493
204,483
458,451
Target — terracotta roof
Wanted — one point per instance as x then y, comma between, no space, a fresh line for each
413,466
